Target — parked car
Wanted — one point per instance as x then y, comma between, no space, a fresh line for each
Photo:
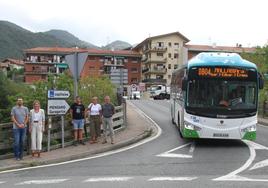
162,96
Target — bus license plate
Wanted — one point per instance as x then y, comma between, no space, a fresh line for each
224,135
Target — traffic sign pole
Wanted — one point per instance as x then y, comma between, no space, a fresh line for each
62,131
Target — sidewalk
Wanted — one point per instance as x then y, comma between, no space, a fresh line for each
137,129
263,121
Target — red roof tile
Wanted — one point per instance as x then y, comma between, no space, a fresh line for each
72,50
14,61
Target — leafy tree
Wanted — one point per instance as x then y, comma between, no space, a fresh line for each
260,58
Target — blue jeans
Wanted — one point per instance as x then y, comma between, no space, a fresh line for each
19,138
78,124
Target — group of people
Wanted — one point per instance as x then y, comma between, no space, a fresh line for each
98,115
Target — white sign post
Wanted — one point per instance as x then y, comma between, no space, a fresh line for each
58,94
57,106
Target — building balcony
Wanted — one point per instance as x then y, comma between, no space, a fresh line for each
154,81
145,70
156,71
156,49
36,72
159,60
144,58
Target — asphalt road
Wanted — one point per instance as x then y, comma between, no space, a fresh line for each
167,161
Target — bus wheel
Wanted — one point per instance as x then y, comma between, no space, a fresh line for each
179,126
172,120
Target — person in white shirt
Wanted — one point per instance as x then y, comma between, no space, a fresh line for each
37,127
94,113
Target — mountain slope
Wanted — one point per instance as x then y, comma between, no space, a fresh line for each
13,39
70,38
117,45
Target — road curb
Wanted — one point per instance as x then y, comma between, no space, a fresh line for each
262,122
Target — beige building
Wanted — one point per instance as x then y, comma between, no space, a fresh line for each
161,55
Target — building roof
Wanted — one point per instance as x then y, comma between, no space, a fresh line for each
53,50
3,65
14,61
207,48
59,50
113,52
159,36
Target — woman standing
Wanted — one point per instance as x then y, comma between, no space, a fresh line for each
95,113
37,127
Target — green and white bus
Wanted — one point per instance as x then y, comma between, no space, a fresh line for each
215,95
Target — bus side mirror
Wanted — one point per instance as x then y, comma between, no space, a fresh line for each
261,82
184,84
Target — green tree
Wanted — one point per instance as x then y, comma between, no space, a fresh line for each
99,87
260,58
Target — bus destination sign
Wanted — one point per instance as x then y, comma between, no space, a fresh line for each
225,72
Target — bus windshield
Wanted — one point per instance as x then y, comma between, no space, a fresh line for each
225,98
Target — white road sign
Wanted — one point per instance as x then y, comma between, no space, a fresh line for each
58,94
57,107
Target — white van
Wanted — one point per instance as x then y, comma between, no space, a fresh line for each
136,95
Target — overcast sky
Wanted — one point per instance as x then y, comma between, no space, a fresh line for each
224,22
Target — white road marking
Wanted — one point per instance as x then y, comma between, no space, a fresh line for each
241,178
257,146
1,182
192,148
233,175
260,164
172,179
108,179
159,132
41,182
175,155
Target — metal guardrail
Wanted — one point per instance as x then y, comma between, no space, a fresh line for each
7,138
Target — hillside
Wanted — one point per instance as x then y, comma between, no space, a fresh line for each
70,38
13,39
117,45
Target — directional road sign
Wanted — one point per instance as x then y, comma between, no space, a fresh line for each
57,107
58,94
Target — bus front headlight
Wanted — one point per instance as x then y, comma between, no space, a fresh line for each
190,126
249,129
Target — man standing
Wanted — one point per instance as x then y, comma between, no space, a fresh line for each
19,116
77,112
108,111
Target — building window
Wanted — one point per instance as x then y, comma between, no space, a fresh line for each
134,80
134,70
176,55
169,76
169,66
159,76
149,55
176,45
169,55
169,44
175,66
91,57
160,54
160,44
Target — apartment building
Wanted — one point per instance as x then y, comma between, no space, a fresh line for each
161,55
42,61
